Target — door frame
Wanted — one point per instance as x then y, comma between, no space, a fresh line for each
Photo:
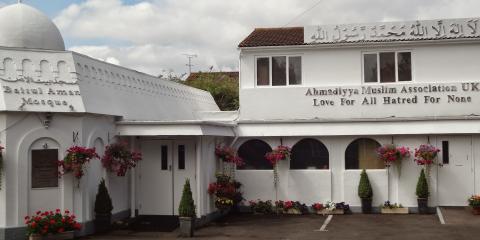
172,144
440,165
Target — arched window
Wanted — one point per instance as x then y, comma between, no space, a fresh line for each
361,154
253,154
309,154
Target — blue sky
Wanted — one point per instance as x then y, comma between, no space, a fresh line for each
53,7
153,36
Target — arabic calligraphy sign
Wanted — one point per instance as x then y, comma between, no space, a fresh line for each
391,31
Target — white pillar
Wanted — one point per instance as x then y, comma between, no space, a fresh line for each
199,177
132,182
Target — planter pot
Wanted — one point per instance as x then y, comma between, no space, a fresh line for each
476,210
394,210
186,226
422,205
366,205
59,236
102,222
293,211
331,212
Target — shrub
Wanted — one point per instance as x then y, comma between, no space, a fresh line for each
187,206
422,186
103,202
364,188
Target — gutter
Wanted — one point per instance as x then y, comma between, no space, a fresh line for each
360,44
336,120
182,122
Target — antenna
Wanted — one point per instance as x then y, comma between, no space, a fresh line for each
190,65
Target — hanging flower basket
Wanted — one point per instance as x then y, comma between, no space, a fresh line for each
119,159
51,225
75,161
227,154
391,154
426,154
273,157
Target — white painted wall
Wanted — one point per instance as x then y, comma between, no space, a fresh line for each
342,67
339,184
27,132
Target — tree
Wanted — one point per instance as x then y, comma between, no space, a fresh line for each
222,86
364,188
103,202
422,186
187,206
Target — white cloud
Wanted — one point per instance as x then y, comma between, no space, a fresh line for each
158,32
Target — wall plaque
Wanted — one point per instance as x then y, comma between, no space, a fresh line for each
45,168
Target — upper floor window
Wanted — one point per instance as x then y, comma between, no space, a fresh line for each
387,67
279,71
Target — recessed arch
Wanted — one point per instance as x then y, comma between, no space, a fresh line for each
361,154
253,154
309,153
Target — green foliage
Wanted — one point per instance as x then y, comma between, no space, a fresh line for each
422,186
263,207
223,88
103,202
187,206
364,188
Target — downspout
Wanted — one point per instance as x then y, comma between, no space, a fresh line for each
235,132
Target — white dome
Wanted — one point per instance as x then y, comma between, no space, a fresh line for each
22,26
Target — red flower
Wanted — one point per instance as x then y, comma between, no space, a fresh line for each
119,159
61,230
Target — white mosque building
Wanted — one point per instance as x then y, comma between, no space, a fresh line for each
332,93
52,98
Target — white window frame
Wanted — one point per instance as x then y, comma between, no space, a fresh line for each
396,66
287,71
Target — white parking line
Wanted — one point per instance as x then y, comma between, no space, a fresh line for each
325,224
440,216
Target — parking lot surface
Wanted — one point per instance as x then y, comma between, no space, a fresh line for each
355,226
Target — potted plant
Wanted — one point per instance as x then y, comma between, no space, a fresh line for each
261,207
103,209
226,192
51,225
422,193
289,207
186,211
119,159
389,208
331,208
474,203
365,192
75,161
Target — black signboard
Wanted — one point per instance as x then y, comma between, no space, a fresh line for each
45,168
